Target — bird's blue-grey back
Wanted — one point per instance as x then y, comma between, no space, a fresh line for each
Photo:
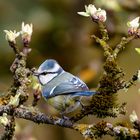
65,84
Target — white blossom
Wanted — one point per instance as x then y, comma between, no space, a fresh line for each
11,35
26,31
91,11
133,25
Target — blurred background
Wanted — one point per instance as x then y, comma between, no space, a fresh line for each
60,33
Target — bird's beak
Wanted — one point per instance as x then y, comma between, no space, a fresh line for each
36,73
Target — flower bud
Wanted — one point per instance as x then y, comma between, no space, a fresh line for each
100,15
11,36
14,101
26,32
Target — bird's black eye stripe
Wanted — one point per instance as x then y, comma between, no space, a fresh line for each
51,72
44,73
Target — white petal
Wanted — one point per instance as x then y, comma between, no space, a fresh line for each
91,9
134,23
86,8
83,14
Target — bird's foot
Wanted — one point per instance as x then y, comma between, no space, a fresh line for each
64,117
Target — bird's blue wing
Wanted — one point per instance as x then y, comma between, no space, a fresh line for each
73,86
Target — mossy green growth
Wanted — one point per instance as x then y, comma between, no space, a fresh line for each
104,102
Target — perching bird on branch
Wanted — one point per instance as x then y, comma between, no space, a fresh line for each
63,89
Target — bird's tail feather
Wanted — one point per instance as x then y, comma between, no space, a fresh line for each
85,93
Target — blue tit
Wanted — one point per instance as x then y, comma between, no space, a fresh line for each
61,89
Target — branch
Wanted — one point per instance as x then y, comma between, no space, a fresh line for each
103,128
104,45
92,110
88,131
35,116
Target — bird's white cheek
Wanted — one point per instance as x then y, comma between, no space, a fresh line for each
44,79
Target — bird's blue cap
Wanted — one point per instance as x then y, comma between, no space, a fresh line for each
50,65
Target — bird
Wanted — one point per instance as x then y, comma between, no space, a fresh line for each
61,89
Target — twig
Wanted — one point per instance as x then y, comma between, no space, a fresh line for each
15,49
131,81
121,45
104,45
103,31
